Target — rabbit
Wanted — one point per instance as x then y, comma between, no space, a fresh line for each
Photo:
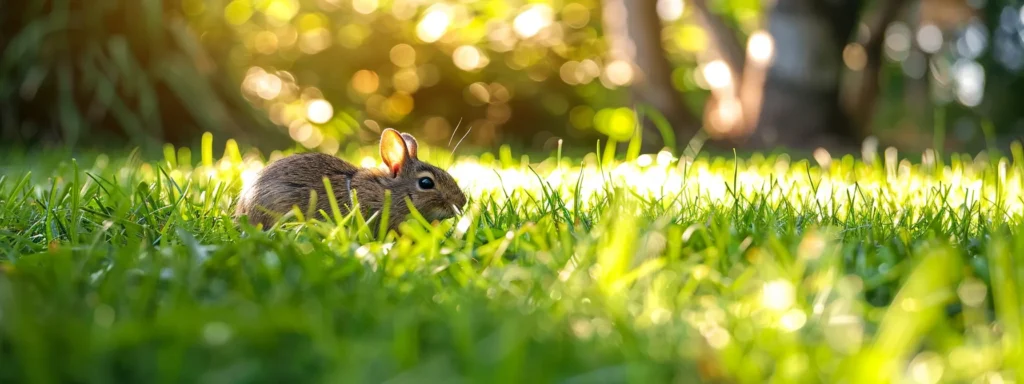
290,181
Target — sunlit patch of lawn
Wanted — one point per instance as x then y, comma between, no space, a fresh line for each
648,269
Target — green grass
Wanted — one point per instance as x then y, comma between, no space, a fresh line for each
756,269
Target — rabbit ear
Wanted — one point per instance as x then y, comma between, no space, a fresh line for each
410,144
393,150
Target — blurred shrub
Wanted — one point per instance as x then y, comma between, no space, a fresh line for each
330,73
319,70
100,70
325,68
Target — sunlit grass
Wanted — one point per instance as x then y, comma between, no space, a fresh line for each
651,269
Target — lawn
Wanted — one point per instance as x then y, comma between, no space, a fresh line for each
599,269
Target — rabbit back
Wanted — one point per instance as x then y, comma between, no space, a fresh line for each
289,181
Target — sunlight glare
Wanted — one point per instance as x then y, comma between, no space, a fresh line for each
670,10
268,86
281,11
619,72
463,225
970,81
793,320
467,58
644,161
761,47
532,20
365,7
434,24
726,115
778,295
717,74
926,368
319,111
665,158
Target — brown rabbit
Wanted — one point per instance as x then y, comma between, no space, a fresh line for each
288,182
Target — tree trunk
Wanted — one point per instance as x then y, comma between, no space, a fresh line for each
633,29
868,86
801,106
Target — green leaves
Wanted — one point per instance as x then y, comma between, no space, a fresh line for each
115,72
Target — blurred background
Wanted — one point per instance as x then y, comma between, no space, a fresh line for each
329,74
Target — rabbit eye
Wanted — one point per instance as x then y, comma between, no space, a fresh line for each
426,183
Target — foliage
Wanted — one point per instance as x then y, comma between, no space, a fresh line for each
644,269
104,70
520,72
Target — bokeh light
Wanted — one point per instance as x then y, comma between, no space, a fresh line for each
761,47
313,41
854,56
778,295
265,42
619,72
406,80
970,81
724,115
238,12
475,47
575,15
897,42
319,111
532,20
618,123
717,74
479,94
365,81
301,131
670,10
279,12
974,41
403,55
434,23
365,7
468,58
929,38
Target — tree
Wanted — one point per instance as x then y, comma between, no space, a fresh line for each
784,87
633,30
801,101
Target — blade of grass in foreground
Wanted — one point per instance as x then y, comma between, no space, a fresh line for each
749,270
914,311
